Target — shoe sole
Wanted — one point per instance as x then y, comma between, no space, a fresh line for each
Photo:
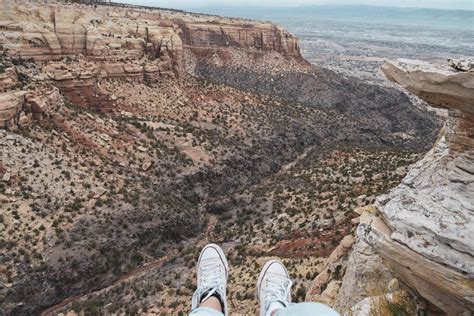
221,255
262,274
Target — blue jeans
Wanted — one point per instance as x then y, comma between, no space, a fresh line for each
301,309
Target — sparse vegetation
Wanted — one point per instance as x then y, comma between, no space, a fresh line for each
95,193
397,304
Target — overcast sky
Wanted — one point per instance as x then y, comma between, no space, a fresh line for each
183,4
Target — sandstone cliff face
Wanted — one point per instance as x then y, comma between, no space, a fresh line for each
114,35
77,46
424,228
240,34
103,34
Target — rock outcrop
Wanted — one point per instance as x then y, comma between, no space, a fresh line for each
11,106
441,86
8,79
323,286
19,107
462,64
424,227
365,274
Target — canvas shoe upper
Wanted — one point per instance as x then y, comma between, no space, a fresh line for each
273,287
212,273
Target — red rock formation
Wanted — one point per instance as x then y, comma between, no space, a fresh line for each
82,44
115,34
241,34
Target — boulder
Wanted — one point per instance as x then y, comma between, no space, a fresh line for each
40,99
329,295
462,64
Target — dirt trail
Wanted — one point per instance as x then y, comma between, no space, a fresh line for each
132,273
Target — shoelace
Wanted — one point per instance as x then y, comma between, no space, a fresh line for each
277,291
212,280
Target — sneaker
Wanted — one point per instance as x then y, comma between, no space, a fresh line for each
273,287
212,274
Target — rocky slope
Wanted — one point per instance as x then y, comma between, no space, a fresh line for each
128,130
422,230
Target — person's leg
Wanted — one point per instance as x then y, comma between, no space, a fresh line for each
205,311
209,299
274,293
309,309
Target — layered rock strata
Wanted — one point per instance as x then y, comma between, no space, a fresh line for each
424,227
77,46
235,33
441,86
109,34
11,107
19,107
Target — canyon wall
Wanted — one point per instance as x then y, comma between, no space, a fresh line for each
118,33
238,33
422,230
73,47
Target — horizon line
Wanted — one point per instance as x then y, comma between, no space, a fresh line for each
327,5
283,6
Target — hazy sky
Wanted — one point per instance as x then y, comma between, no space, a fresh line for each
183,4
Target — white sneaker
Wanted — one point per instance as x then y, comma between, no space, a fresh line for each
212,274
273,287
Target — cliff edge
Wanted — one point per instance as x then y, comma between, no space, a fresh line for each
422,230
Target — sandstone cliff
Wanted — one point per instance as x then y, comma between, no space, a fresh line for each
423,229
76,46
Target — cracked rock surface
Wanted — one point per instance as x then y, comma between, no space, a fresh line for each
424,227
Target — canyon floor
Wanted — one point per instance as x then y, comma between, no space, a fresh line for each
76,209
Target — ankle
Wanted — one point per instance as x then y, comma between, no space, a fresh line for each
214,303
